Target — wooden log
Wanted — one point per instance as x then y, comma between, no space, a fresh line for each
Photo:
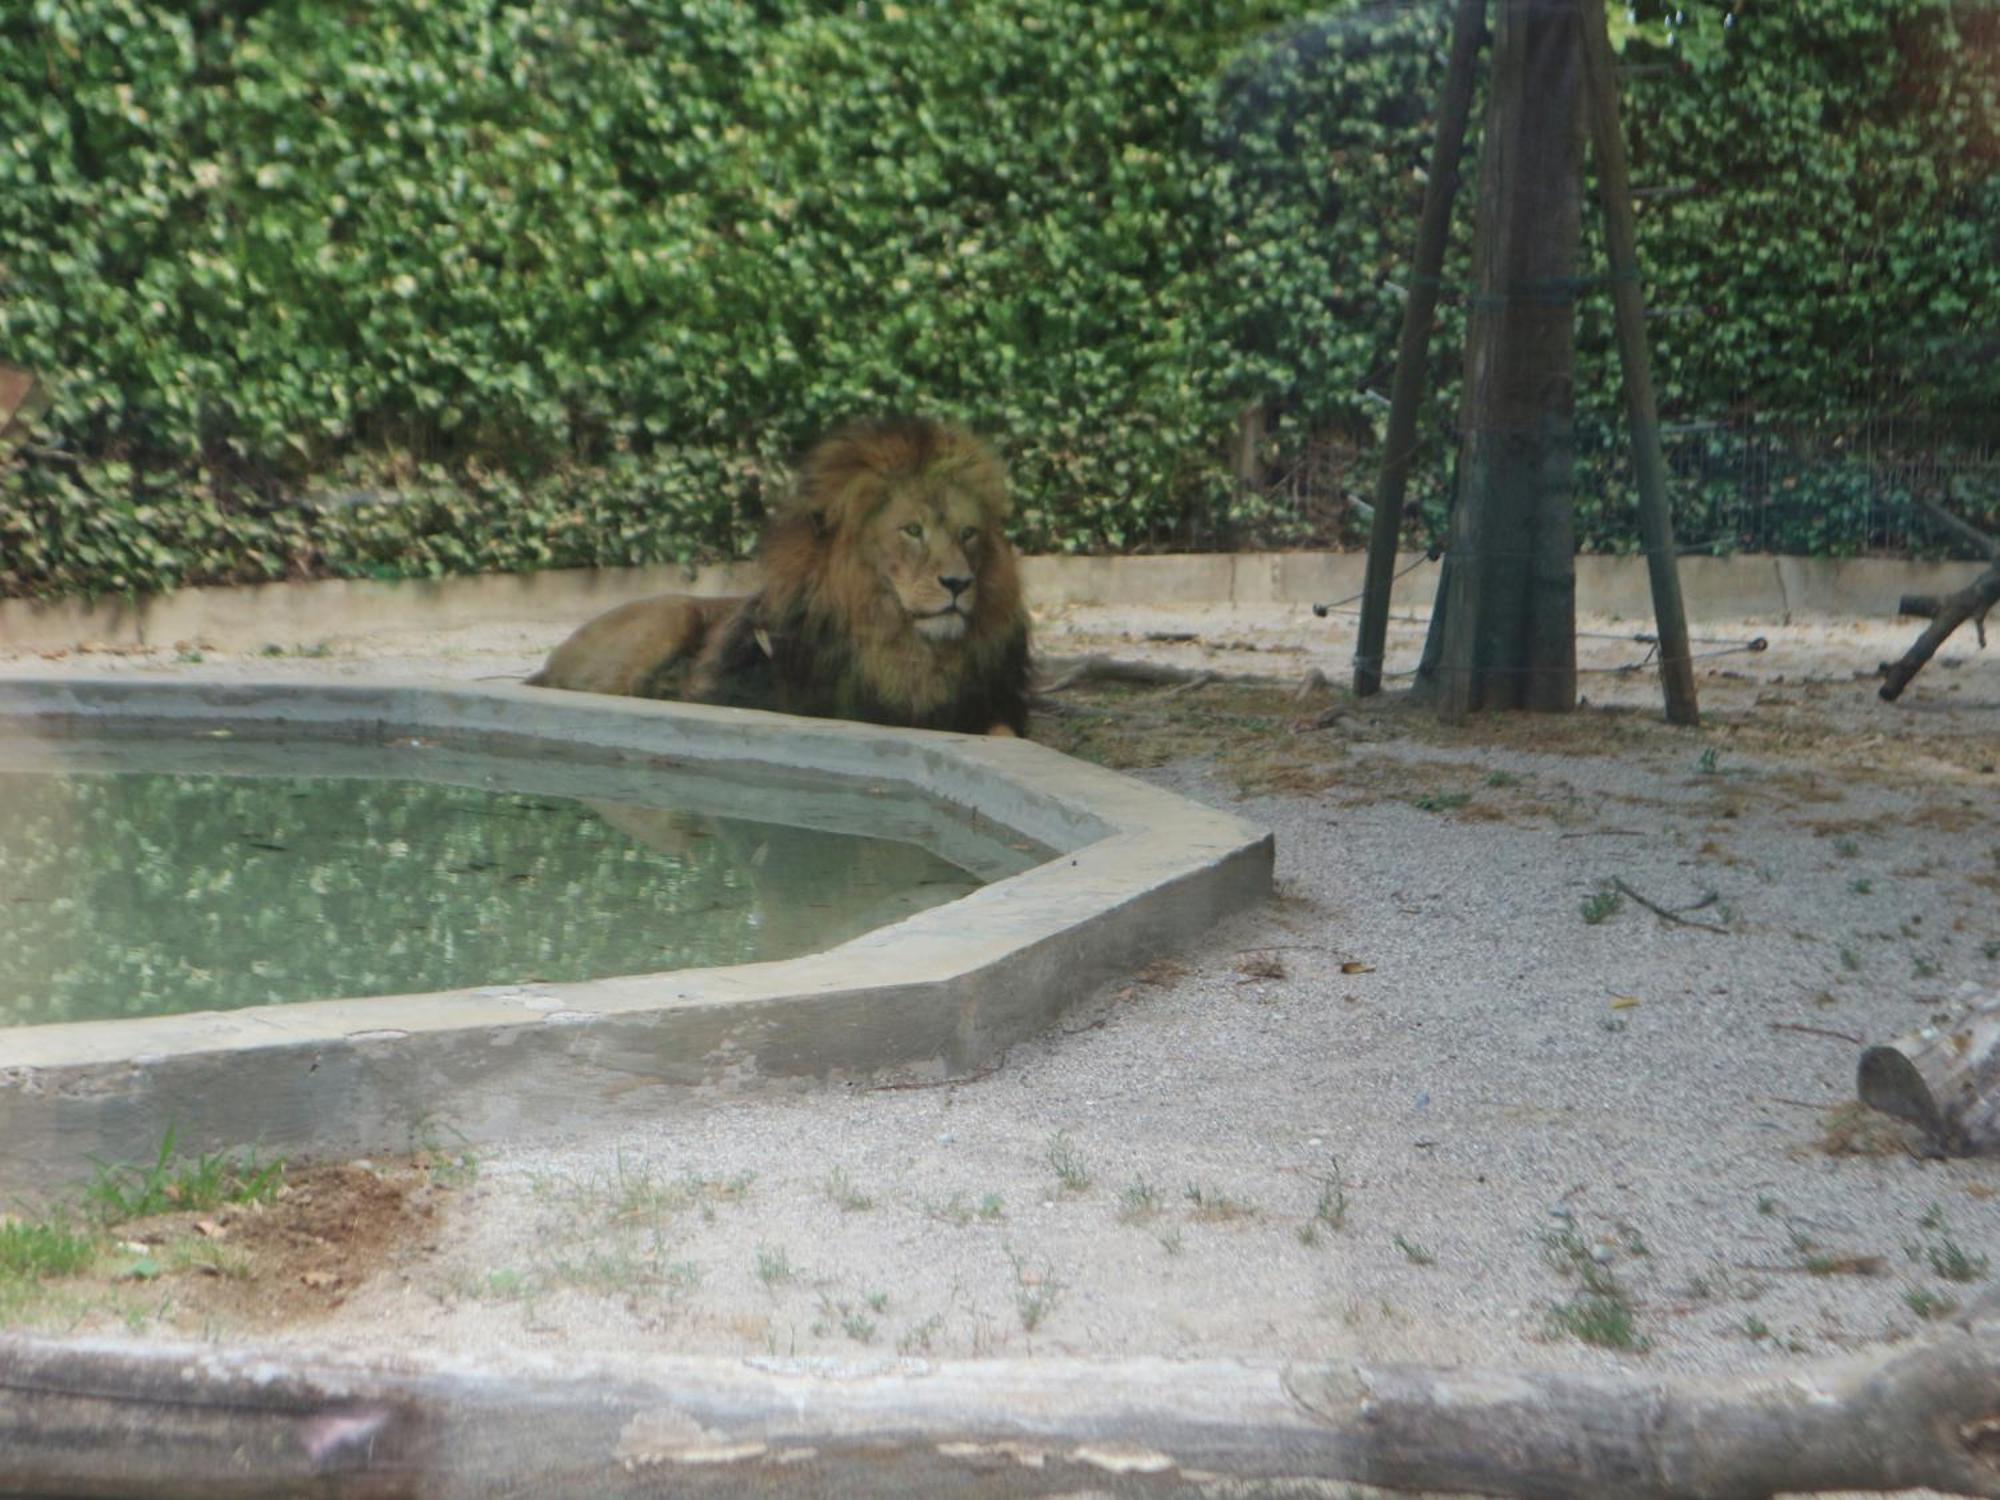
96,1418
1944,1080
1970,603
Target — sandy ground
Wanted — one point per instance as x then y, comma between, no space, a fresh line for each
1392,1115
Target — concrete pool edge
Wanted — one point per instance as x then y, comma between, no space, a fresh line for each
943,993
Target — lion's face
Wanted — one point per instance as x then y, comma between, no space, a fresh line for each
926,542
893,546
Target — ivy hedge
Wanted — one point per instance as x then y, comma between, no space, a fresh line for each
435,286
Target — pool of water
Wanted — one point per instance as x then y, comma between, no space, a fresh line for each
133,884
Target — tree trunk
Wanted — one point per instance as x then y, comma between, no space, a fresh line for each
1505,623
161,1423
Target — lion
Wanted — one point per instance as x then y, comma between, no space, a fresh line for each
889,594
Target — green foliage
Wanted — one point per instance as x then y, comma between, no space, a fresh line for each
169,1184
33,1248
534,283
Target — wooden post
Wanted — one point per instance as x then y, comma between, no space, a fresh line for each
1656,526
1399,448
1505,622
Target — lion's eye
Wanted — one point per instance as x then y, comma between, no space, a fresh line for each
915,531
968,533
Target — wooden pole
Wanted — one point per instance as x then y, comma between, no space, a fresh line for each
1656,526
1412,353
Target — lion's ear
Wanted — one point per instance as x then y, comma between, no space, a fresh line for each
820,521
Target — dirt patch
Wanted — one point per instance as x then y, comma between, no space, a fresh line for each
260,1266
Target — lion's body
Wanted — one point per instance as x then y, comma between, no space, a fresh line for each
889,594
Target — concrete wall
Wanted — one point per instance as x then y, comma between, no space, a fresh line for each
1716,588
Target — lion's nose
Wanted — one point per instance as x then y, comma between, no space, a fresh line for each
955,585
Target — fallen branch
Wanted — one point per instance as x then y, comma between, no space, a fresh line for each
1970,603
1945,612
1827,1032
163,1423
1672,916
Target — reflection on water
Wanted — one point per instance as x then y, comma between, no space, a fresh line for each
136,893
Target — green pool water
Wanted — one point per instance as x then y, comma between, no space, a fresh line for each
128,889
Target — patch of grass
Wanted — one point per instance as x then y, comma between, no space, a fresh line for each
1502,778
1954,1262
992,1208
118,1192
1606,1322
635,1193
774,1266
1171,1242
1861,885
1036,1292
32,1249
1601,1313
1138,1202
1415,1254
1330,1208
1850,960
1847,848
208,1258
1755,1327
1440,801
1926,968
1211,1205
1766,1204
455,1166
1709,762
507,1285
1262,966
954,1210
623,1272
1601,906
917,1339
845,1194
1067,1163
1929,1305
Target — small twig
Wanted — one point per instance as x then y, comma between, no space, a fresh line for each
1199,680
1660,911
1832,1265
1802,1103
1836,1036
1605,833
910,1085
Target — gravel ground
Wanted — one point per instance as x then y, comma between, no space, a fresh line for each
1403,1112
